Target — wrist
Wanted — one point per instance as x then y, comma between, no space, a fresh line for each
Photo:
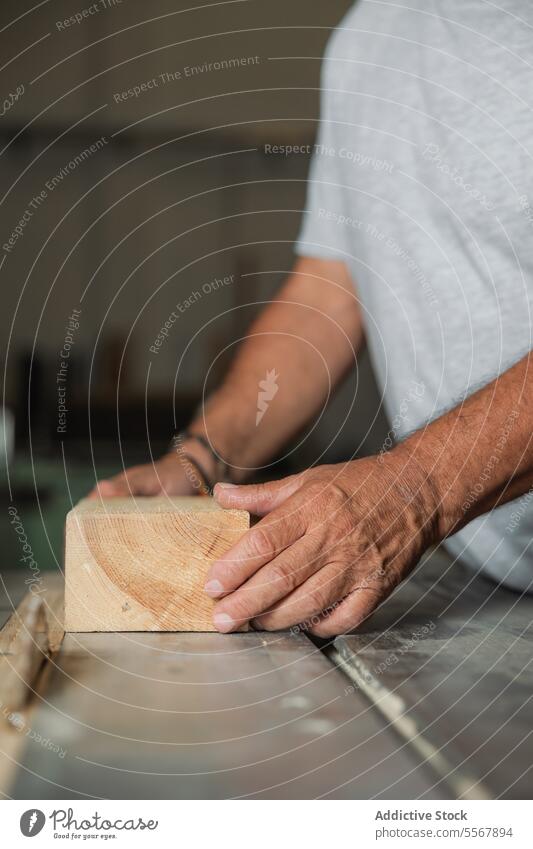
417,485
196,462
219,437
437,467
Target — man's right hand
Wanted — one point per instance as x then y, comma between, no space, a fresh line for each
167,476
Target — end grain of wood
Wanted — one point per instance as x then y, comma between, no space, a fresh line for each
140,564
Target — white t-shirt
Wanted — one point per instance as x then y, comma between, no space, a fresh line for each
422,182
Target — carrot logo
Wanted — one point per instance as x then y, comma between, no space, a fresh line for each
32,822
268,388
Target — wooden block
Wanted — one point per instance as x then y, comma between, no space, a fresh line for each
140,564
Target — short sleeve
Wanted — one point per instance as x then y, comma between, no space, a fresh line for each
327,228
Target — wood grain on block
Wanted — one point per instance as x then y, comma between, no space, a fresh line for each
140,564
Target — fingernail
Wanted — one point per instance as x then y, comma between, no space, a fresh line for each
226,485
214,587
223,622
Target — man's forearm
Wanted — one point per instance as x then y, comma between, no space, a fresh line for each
334,541
480,454
294,355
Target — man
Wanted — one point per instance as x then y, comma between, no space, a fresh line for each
418,237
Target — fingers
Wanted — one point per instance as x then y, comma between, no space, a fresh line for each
164,477
258,499
346,616
261,544
273,582
140,480
110,488
320,592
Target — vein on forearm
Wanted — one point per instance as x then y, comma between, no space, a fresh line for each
480,454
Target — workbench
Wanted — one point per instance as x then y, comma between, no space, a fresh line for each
430,699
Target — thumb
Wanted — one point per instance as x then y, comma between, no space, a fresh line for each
259,498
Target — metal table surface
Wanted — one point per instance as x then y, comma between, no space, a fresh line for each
209,716
448,659
431,698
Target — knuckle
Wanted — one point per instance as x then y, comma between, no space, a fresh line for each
259,542
278,574
315,488
343,513
286,574
263,490
261,493
238,608
225,574
337,493
316,599
339,502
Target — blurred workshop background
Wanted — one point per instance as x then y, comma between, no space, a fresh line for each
140,178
